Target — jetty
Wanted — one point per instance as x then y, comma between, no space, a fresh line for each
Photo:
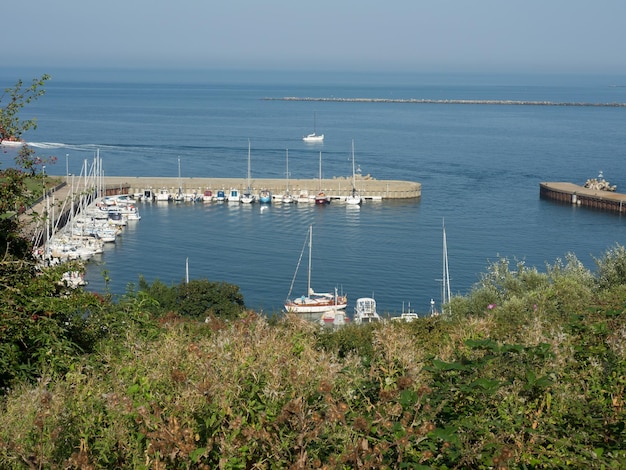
450,101
573,194
337,188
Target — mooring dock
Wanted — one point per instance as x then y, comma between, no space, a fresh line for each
336,188
570,193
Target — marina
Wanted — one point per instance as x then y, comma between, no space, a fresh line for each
478,167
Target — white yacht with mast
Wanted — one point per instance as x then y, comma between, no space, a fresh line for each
314,137
354,198
313,302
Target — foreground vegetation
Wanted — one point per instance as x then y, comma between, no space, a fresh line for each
527,371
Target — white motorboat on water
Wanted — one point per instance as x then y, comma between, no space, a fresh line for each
234,195
314,302
304,197
164,195
365,311
406,315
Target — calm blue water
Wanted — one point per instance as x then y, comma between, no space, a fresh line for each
480,167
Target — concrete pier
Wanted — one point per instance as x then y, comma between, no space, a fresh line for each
570,193
337,188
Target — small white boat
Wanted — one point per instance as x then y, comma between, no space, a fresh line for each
314,302
247,198
407,315
119,200
234,195
12,142
314,137
303,196
365,311
148,195
164,195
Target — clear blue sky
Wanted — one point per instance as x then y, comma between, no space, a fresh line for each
555,36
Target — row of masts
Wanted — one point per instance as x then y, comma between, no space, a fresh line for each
78,227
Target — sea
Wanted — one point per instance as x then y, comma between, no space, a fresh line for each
479,164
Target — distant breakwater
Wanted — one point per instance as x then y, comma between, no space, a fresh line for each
451,101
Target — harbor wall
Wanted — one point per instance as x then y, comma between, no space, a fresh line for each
336,188
569,193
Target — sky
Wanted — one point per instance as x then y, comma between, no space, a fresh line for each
441,36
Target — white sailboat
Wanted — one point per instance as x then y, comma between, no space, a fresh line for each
445,279
321,197
354,198
247,197
287,197
313,302
179,196
314,137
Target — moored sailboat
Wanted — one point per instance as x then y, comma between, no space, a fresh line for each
314,302
286,197
321,198
247,197
353,198
314,137
445,279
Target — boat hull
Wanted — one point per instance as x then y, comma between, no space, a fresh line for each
313,138
312,305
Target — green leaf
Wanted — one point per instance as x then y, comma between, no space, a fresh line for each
196,454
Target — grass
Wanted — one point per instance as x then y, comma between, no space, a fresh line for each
530,376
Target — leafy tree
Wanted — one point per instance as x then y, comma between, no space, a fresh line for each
11,127
14,196
198,299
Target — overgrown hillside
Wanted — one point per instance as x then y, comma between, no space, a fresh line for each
527,372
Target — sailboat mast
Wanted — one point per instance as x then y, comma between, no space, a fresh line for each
248,165
320,170
287,169
310,252
445,292
353,177
180,188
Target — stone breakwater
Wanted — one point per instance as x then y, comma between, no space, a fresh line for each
451,101
336,188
